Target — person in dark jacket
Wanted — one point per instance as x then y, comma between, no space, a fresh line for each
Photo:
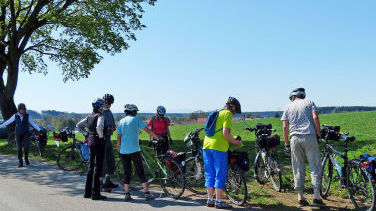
23,120
109,158
95,125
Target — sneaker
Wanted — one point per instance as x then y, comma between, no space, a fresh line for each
127,197
98,197
149,196
222,205
302,203
318,203
210,203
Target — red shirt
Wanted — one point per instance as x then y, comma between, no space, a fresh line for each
160,126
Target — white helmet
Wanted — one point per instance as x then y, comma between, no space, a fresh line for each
299,93
130,107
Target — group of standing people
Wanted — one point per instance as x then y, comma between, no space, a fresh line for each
301,131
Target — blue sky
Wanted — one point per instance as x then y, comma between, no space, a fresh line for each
194,54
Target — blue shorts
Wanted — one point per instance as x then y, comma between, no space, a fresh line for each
215,164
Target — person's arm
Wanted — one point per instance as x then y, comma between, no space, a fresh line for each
228,136
286,131
148,131
118,142
316,122
10,120
80,126
35,125
100,126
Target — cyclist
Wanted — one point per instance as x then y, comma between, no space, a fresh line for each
300,117
129,148
215,154
23,120
95,125
109,159
159,125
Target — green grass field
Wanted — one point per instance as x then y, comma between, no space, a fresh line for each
362,125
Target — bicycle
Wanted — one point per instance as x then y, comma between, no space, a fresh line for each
266,162
74,156
194,164
39,141
236,186
353,176
161,168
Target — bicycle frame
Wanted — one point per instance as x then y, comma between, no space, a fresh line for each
330,152
146,156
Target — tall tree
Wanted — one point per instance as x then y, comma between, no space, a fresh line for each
71,33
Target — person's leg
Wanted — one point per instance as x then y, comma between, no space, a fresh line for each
98,166
298,164
26,140
126,161
108,164
19,150
89,176
137,162
209,175
220,165
314,160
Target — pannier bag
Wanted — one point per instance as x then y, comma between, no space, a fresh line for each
369,163
178,157
42,138
240,159
85,152
330,132
269,141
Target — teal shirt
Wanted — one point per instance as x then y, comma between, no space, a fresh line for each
128,129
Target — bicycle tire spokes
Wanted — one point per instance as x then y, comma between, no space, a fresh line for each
360,187
236,187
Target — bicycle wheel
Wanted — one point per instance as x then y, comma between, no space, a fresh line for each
194,172
68,159
360,187
236,187
261,173
172,178
326,176
275,173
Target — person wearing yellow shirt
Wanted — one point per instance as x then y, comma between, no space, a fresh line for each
215,154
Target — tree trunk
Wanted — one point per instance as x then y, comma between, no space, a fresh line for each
7,105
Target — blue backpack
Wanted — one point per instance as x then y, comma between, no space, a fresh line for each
210,123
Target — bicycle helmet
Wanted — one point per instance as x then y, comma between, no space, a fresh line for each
21,106
108,99
299,93
98,103
161,110
234,101
130,107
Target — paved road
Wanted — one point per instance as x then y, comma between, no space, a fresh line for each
42,186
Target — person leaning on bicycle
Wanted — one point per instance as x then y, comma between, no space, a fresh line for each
300,117
109,158
23,120
159,125
95,125
215,153
129,148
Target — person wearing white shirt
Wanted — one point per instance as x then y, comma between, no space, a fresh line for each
22,120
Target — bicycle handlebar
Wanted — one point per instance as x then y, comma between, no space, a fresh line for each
348,138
